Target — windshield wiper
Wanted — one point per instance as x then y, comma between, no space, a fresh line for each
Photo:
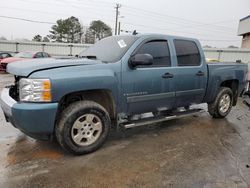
89,57
92,57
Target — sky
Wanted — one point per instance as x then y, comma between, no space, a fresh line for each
213,22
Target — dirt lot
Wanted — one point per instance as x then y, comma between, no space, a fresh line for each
192,152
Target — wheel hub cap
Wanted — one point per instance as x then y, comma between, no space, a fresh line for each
225,103
86,129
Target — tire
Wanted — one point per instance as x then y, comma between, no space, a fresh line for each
83,127
218,108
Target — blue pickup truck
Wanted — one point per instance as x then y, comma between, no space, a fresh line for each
115,82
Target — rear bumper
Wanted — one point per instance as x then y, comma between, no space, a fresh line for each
34,119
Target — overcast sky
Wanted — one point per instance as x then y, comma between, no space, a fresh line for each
214,22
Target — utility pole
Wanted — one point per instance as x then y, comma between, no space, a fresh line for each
119,28
116,16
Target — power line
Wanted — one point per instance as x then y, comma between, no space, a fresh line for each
173,17
151,13
175,22
50,13
209,24
186,21
188,24
218,30
167,29
42,22
27,20
62,3
133,24
152,16
54,13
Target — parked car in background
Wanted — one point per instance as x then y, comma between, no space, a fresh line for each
212,60
4,55
22,56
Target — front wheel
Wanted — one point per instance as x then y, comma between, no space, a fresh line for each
83,127
222,104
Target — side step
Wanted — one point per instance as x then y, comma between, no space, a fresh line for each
151,120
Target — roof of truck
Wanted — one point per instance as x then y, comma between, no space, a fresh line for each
159,35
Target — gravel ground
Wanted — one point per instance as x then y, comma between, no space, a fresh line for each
196,151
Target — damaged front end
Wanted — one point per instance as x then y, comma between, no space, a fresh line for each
13,89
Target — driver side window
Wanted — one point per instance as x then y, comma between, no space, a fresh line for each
160,52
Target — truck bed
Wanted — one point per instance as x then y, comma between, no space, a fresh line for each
219,71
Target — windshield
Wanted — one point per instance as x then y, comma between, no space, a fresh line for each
110,49
24,55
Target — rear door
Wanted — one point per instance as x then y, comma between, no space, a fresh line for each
190,73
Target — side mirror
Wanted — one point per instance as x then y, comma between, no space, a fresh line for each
141,59
76,55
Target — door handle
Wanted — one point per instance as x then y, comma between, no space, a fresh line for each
200,73
167,75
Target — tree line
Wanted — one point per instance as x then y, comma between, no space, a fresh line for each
70,30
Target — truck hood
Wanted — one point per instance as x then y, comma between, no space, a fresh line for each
25,68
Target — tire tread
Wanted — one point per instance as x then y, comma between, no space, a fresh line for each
67,115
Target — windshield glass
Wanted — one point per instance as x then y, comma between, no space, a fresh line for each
110,49
24,55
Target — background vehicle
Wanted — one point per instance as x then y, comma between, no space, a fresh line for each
22,56
4,55
116,80
212,60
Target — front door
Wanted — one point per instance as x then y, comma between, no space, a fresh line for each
148,88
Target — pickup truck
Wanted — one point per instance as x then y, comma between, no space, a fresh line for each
113,84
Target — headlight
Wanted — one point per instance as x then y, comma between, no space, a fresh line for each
35,90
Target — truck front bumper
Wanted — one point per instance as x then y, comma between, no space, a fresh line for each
34,119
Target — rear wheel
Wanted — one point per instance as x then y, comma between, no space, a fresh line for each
222,104
83,128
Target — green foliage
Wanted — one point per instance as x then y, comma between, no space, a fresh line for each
89,37
46,39
3,38
37,38
99,29
68,30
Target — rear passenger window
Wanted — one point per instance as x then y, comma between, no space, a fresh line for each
39,55
45,55
160,52
5,55
187,53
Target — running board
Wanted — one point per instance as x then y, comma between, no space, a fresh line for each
152,120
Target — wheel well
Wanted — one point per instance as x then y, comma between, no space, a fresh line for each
233,85
100,96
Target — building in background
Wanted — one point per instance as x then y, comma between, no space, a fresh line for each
244,31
